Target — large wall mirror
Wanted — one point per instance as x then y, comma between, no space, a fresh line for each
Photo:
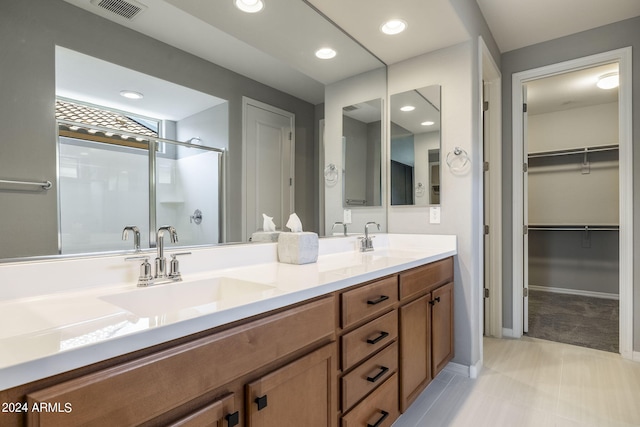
362,149
196,62
415,147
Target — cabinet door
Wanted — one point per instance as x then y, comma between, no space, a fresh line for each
442,330
220,413
415,349
302,393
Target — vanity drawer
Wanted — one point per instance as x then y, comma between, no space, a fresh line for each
363,302
421,280
380,409
368,339
370,374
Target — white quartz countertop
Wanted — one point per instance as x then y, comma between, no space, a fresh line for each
66,328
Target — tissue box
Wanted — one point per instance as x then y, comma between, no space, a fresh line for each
298,248
265,236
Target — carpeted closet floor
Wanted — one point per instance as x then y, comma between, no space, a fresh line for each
572,319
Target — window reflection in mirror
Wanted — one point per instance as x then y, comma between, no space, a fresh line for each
415,147
362,149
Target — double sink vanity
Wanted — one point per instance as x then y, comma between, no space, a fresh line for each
349,340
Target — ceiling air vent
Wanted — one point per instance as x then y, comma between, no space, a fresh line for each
126,9
350,108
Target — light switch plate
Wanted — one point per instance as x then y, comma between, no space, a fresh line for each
434,215
347,216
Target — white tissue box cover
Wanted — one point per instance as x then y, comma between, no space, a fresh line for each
265,236
298,248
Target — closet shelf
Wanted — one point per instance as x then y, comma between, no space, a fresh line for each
585,150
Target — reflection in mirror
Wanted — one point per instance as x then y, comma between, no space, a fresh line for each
213,49
415,147
362,149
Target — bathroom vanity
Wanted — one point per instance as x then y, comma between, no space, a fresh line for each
350,340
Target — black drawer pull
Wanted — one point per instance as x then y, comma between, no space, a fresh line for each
434,301
262,402
382,336
384,416
233,419
383,370
378,300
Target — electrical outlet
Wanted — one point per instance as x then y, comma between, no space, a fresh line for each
347,216
434,215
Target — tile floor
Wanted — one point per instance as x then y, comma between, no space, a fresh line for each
532,382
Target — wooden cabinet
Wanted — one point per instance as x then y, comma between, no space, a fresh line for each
220,413
161,387
301,393
369,354
379,409
356,357
426,326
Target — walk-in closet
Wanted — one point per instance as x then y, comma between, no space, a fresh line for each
572,209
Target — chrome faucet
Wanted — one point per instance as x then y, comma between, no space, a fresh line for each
161,275
366,244
161,261
136,236
343,224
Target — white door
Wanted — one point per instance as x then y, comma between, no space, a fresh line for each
525,223
269,170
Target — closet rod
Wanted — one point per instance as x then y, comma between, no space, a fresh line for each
572,152
576,228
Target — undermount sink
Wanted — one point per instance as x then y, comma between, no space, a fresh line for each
207,295
360,262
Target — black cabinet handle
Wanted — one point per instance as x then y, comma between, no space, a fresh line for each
384,416
382,335
383,370
262,402
233,419
378,300
434,301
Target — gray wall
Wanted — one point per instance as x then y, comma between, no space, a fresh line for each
30,30
610,37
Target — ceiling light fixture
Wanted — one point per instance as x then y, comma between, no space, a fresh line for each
427,123
608,81
393,26
249,6
326,53
130,94
407,108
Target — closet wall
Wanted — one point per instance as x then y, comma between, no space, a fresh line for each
573,200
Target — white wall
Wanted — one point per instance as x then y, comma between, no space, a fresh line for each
361,88
452,68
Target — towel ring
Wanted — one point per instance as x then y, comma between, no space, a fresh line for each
331,174
458,159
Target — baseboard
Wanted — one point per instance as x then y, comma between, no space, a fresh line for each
579,292
474,370
458,369
636,356
507,333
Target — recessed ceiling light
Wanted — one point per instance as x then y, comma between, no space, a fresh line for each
427,123
249,6
326,53
131,94
608,81
407,108
393,26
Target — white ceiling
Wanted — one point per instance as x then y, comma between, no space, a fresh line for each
276,46
565,91
519,23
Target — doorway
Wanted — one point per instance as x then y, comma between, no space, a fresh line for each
550,212
268,163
